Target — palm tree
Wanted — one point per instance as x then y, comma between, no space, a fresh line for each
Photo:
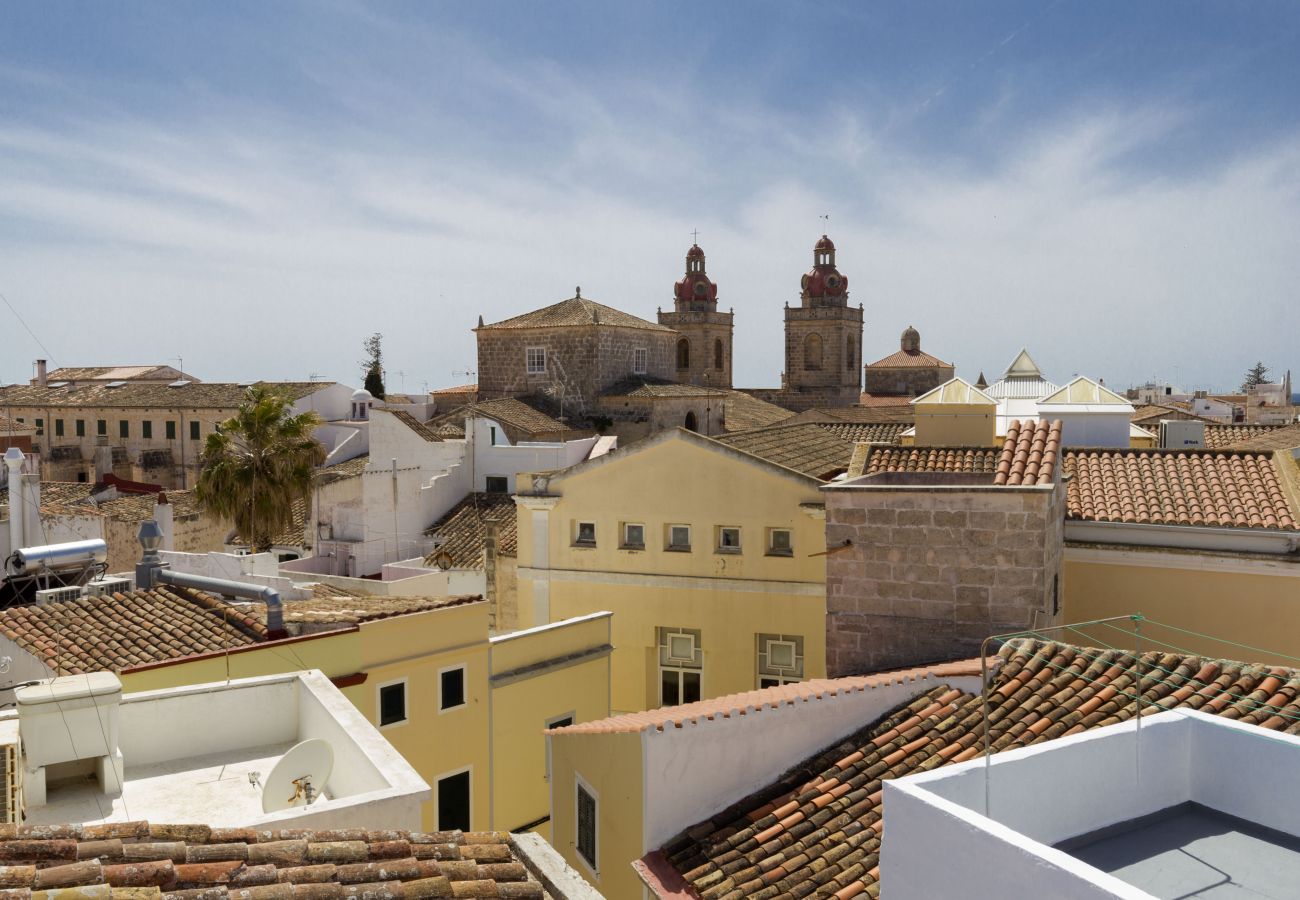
257,463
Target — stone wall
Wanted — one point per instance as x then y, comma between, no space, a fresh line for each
932,571
910,381
808,398
702,330
840,331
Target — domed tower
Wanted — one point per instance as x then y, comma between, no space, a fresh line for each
703,352
823,337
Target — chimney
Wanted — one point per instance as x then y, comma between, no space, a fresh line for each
42,379
162,514
14,460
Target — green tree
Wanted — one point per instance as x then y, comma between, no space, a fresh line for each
258,463
372,367
1257,374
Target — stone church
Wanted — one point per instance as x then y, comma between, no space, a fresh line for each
703,350
909,372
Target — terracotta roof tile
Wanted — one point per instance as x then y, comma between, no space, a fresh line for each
1031,453
1153,413
191,395
179,862
413,424
575,311
907,359
1224,489
463,530
1263,437
809,448
978,460
330,607
868,432
817,830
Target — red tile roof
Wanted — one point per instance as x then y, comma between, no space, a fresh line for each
463,530
980,460
576,311
184,862
906,359
1217,488
1280,437
1030,454
817,830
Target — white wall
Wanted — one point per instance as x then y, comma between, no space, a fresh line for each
503,459
1094,429
332,402
693,771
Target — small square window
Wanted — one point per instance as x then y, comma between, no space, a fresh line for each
728,539
535,359
679,537
780,659
498,484
451,688
585,534
779,542
392,703
146,429
681,647
640,357
633,536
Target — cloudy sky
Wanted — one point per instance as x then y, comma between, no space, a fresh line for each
255,187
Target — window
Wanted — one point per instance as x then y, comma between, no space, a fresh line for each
586,824
681,662
58,428
498,484
780,659
679,537
848,353
101,426
640,356
585,534
124,428
146,429
492,432
451,688
171,431
194,431
779,542
717,353
392,703
683,354
40,426
563,721
633,536
535,359
728,539
453,801
812,352
81,427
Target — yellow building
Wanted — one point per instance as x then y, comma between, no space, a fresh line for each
710,558
467,711
955,414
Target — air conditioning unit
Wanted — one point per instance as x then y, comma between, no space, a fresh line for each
1176,434
101,586
58,595
11,783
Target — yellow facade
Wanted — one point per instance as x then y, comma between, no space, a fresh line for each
1249,601
729,596
955,414
495,734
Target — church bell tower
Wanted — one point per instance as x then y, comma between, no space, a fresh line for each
703,351
823,336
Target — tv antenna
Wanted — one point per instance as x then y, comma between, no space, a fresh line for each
299,778
467,373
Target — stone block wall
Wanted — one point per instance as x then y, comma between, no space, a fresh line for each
703,330
912,381
840,330
932,571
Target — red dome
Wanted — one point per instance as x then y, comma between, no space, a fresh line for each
695,251
695,290
824,244
824,281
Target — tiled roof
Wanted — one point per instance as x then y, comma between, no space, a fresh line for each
60,498
742,412
464,528
457,389
862,433
817,830
512,411
332,609
640,386
858,414
809,449
413,424
73,498
884,400
294,533
575,311
1151,414
979,460
188,862
119,631
448,430
13,425
108,373
754,702
1225,489
191,395
139,507
1031,453
905,359
351,468
1282,437
1219,436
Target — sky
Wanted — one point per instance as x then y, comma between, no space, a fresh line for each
252,188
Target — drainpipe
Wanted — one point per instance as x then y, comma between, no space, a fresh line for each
14,460
151,571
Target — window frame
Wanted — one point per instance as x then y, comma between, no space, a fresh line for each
554,722
195,430
170,429
464,687
672,547
782,675
490,480
577,534
101,427
772,549
146,429
58,428
124,429
666,662
531,367
627,543
581,786
437,805
640,360
379,703
79,428
720,547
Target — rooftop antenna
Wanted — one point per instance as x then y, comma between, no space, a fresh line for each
467,373
180,363
315,376
300,776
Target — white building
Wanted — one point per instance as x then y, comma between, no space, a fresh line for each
1091,414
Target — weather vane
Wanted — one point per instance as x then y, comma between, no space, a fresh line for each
827,218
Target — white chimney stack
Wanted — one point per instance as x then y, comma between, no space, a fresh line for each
14,460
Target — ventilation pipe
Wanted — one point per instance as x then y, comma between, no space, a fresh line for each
14,460
152,571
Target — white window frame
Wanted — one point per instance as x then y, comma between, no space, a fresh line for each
640,360
464,687
577,532
663,640
678,548
530,366
722,548
572,716
772,549
406,703
763,642
627,543
437,811
592,866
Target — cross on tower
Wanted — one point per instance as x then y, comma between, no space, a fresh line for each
695,236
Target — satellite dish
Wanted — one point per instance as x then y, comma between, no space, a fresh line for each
443,560
299,778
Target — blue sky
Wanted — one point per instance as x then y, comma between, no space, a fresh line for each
255,187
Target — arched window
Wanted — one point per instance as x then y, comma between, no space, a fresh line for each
812,352
683,354
692,424
717,353
848,353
